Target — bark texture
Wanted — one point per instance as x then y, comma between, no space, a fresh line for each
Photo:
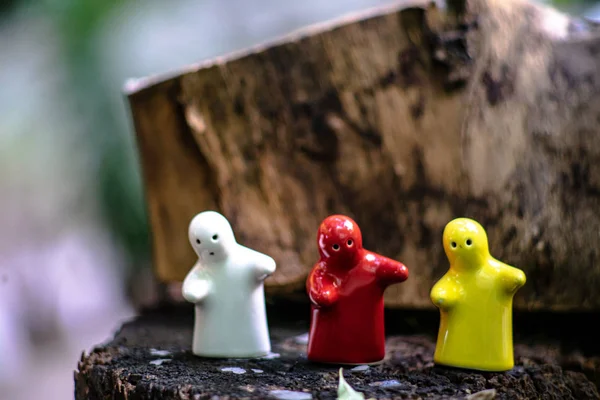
403,119
130,367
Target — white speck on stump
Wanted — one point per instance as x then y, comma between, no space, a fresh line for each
302,339
159,361
235,370
289,395
387,384
160,353
488,394
271,356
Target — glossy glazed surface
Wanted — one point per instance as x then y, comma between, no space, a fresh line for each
226,286
346,289
475,301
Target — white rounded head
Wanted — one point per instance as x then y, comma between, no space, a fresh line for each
211,236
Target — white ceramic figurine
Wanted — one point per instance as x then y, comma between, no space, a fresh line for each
226,286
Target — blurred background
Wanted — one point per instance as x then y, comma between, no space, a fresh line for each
73,229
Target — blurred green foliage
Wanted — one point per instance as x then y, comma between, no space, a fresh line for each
118,178
572,4
573,7
117,168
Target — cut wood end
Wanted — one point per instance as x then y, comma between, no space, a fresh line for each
135,85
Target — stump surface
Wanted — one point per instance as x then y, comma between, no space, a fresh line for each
129,366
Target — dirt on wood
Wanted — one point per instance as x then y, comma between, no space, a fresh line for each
150,358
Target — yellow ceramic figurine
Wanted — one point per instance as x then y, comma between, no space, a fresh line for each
475,301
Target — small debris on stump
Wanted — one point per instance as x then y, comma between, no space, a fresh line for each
123,368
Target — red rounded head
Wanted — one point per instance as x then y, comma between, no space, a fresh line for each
339,239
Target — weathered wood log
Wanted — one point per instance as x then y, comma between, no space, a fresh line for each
404,119
150,358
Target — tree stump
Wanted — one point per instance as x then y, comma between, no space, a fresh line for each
402,118
150,358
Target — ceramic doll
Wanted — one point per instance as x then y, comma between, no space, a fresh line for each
226,286
475,301
346,289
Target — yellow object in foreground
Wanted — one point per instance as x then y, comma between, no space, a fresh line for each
475,301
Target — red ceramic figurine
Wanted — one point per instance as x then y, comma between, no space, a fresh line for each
346,290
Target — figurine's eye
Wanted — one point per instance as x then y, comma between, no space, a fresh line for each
469,242
215,237
212,253
198,241
453,244
350,242
336,247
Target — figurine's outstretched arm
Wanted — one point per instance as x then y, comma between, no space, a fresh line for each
322,288
445,294
512,278
196,286
390,271
263,264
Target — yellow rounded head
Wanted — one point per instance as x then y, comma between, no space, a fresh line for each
465,243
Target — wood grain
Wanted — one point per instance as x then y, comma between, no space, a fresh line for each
403,119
